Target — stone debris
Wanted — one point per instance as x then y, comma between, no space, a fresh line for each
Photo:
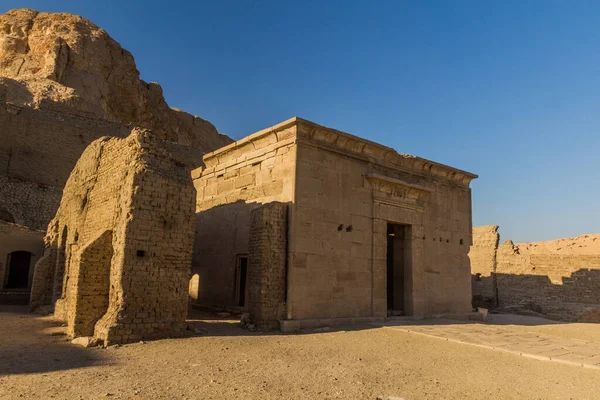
223,314
86,341
483,312
245,319
195,330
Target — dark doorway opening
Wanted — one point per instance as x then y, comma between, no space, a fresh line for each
398,256
242,272
18,270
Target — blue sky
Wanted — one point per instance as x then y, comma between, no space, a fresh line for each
509,90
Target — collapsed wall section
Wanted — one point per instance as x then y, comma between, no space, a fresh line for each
119,249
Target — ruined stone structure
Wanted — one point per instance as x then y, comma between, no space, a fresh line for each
20,248
368,232
558,278
64,82
119,249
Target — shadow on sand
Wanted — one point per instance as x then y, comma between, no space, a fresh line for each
33,344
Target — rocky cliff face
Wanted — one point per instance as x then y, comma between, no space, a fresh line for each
63,61
63,84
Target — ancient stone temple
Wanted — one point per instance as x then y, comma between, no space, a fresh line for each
119,249
303,225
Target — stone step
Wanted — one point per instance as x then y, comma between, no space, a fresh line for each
14,297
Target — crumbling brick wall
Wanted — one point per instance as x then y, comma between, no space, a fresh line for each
483,264
556,278
120,245
267,250
38,150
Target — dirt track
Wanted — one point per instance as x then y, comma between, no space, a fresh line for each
228,362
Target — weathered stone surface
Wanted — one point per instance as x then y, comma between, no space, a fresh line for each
86,341
119,248
267,254
64,60
557,278
341,192
64,82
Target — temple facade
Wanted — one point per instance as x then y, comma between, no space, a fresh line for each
303,225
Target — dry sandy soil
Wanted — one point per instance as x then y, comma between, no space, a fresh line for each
359,362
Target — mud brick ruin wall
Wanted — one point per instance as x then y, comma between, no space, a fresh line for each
267,252
238,178
38,150
119,249
560,279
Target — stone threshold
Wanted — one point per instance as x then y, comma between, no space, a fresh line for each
467,317
294,325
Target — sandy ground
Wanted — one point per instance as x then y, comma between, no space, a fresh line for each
359,362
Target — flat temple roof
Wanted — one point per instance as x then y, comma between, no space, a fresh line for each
297,120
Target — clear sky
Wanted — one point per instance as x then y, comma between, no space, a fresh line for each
509,90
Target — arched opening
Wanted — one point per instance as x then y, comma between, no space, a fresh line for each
18,270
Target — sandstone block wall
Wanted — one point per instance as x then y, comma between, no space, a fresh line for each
120,246
557,278
348,190
238,178
342,193
267,258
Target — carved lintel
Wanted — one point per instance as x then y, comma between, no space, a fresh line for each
397,192
391,202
